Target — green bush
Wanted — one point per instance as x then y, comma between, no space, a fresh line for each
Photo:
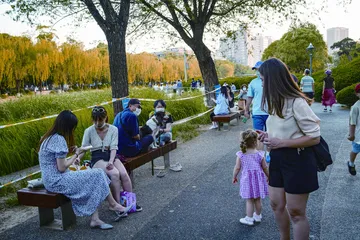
238,81
4,96
347,96
19,144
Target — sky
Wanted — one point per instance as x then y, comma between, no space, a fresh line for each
90,34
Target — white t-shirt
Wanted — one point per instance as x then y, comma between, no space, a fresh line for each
355,120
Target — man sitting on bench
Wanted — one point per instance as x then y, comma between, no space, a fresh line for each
127,123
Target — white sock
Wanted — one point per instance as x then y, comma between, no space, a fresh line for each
351,164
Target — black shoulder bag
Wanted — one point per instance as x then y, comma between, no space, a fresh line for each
321,152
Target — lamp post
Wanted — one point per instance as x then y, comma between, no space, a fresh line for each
310,49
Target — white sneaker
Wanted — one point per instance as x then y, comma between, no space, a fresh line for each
213,127
257,218
247,221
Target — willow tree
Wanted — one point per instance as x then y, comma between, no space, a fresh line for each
111,15
192,20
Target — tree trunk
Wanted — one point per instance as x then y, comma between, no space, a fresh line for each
118,67
207,68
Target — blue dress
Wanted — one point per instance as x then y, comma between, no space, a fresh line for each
87,189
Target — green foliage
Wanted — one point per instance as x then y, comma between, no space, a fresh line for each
291,48
12,201
347,47
238,81
19,144
347,96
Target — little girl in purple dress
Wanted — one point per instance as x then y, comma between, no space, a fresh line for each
254,175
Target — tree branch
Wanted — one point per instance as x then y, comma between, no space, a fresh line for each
124,12
210,12
95,13
188,10
195,8
225,12
108,9
150,7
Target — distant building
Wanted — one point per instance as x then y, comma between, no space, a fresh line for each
175,51
334,35
243,48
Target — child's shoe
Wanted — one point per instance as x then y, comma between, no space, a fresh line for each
352,169
247,221
257,218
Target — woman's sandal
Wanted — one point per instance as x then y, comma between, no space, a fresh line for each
122,214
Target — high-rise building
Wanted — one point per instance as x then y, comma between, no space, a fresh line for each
336,34
243,48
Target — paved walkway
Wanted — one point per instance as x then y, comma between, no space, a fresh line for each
201,202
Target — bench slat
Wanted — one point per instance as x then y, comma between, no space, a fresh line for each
40,198
226,118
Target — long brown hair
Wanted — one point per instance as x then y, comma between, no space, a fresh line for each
64,125
278,85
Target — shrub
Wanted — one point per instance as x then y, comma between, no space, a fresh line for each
52,92
347,96
238,81
3,96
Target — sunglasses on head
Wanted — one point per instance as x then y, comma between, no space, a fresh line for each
100,110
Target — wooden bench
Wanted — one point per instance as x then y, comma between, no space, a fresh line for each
226,118
46,203
139,160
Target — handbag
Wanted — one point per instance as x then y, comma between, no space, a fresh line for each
127,199
321,151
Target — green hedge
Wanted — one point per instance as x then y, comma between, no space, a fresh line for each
238,81
347,96
19,143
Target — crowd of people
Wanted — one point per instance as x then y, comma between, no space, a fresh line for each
109,145
284,131
175,87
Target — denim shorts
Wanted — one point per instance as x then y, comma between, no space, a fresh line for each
259,122
355,147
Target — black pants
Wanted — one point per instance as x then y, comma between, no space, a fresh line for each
212,115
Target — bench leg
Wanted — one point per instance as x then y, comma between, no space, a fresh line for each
67,215
131,175
167,160
46,216
219,126
152,167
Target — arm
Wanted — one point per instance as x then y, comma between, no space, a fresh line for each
301,142
351,132
63,163
168,128
86,141
236,169
264,167
247,108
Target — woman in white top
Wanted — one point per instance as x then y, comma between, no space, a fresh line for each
222,106
103,138
292,128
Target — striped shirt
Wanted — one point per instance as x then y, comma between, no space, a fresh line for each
306,83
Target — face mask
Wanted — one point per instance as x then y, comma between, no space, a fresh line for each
244,88
100,127
258,74
159,109
137,111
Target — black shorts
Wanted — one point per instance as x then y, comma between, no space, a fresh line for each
99,155
294,171
309,94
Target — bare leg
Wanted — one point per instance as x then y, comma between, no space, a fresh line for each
278,203
258,207
95,220
124,176
296,205
352,156
114,176
114,206
249,207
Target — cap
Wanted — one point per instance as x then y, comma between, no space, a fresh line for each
328,72
257,65
134,101
357,88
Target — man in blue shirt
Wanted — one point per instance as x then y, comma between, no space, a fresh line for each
254,95
127,123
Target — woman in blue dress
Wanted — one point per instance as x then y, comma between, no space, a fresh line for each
86,189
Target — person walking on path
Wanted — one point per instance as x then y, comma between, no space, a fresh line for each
293,129
86,189
254,96
307,85
254,175
328,92
354,131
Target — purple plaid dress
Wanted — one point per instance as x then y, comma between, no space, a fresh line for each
253,179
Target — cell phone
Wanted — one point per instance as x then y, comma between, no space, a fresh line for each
85,148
